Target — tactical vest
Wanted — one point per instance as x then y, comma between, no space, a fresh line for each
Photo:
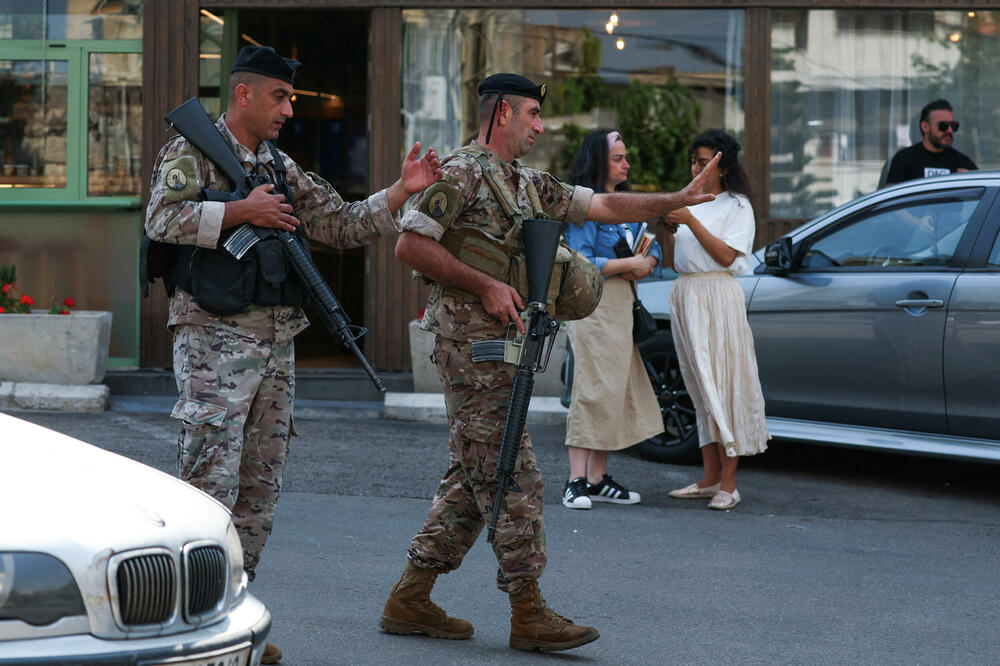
222,285
576,285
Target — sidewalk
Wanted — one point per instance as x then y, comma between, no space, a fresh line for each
424,407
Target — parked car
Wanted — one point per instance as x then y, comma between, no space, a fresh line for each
876,325
104,560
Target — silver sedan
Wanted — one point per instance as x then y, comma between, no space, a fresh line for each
876,325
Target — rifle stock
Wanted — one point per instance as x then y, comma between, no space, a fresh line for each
191,121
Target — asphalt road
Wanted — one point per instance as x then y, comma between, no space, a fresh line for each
833,557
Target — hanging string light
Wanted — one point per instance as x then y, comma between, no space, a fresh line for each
620,44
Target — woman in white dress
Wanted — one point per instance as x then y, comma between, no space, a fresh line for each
613,404
714,344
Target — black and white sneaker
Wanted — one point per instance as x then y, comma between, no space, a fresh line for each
575,496
609,490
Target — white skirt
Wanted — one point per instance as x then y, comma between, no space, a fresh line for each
613,404
716,354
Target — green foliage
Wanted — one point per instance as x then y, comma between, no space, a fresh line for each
658,123
12,301
8,274
573,134
583,93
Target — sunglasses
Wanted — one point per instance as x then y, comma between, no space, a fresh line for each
945,124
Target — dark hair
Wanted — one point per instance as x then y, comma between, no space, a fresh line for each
936,105
734,179
250,79
589,167
489,100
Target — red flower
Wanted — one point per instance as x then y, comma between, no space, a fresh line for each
64,311
27,300
7,287
69,302
2,309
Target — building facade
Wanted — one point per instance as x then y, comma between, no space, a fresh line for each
819,94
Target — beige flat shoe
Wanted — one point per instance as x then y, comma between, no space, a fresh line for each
724,500
695,492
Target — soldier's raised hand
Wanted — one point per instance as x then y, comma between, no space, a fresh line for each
419,174
692,194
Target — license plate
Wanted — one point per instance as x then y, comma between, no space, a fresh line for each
238,657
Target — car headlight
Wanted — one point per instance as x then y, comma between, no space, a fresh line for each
37,588
237,577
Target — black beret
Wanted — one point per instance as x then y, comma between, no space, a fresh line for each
512,84
265,61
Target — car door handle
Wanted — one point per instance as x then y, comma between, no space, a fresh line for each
919,303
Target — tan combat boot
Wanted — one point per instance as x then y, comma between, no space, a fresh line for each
409,608
272,654
535,626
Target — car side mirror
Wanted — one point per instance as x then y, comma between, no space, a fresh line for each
778,256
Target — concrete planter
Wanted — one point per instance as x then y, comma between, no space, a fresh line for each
55,349
426,379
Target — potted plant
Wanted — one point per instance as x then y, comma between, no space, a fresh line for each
57,346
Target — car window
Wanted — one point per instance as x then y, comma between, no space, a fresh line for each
994,260
917,233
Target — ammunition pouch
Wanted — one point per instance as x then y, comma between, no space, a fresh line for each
574,290
224,286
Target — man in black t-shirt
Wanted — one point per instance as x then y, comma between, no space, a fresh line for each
933,156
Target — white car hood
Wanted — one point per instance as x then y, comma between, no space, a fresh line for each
65,497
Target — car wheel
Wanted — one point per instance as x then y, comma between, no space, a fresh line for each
678,443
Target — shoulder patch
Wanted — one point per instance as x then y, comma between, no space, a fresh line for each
440,202
180,178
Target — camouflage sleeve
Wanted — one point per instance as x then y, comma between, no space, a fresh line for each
173,214
328,219
440,204
562,201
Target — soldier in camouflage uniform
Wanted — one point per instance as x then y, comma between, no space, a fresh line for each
463,235
235,372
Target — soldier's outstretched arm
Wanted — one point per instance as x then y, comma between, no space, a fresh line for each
431,260
618,207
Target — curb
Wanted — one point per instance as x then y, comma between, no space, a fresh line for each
429,407
55,397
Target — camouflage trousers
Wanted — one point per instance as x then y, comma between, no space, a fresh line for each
235,409
476,397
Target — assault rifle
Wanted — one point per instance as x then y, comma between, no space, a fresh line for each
191,121
530,351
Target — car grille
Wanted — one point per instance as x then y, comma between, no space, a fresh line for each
206,579
147,589
149,583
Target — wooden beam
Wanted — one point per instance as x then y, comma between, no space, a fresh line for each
757,110
392,297
169,76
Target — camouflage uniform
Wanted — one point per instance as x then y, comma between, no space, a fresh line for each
236,374
476,394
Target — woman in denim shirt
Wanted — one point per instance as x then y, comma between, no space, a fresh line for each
613,403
